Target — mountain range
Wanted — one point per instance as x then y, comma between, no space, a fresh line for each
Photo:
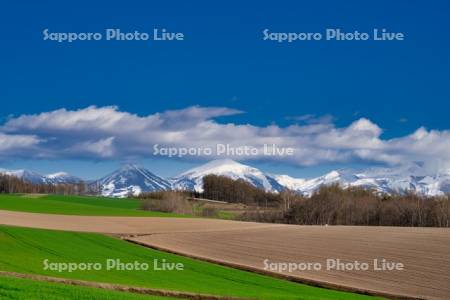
133,179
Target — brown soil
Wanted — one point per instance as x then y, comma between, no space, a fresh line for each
123,225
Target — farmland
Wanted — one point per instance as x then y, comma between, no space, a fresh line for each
76,205
24,250
424,252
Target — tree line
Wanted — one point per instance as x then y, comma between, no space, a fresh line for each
12,184
333,205
226,189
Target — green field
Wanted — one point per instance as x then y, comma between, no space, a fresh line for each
15,288
77,205
24,250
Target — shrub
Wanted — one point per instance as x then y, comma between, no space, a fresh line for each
209,212
169,201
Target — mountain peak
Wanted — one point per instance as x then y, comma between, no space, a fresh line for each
193,178
332,175
57,174
130,179
217,166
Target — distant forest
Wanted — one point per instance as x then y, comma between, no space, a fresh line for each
12,184
332,205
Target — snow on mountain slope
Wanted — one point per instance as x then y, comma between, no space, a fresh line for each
382,180
290,182
130,179
193,179
61,177
404,179
311,185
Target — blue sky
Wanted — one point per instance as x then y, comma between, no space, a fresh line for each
399,86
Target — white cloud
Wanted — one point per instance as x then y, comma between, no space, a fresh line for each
102,148
16,142
107,132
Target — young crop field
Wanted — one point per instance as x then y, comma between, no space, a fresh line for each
19,289
77,205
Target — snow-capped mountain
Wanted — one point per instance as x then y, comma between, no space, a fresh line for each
36,178
399,180
130,179
193,178
26,175
382,180
308,186
61,177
